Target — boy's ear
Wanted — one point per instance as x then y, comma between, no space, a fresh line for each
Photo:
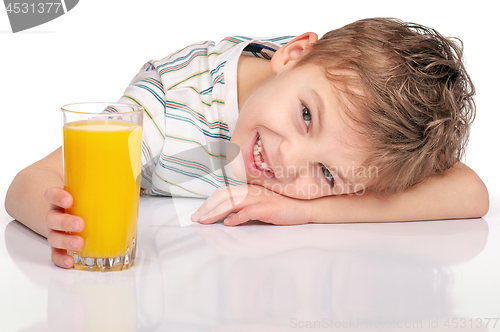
291,52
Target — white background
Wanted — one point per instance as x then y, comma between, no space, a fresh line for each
93,51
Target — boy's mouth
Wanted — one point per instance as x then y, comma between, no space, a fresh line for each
259,159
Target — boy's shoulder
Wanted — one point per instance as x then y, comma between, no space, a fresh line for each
252,46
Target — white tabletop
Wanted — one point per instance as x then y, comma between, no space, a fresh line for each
431,276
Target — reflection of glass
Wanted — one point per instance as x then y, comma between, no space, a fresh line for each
131,300
96,303
102,146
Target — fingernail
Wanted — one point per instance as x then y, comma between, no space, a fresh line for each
67,262
76,225
74,244
205,217
65,202
194,216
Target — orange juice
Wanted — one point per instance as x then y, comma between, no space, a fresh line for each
102,173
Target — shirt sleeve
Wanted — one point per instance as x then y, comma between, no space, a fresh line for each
146,90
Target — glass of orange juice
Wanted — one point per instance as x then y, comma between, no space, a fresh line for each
102,162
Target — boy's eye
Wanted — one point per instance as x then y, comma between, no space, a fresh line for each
328,175
306,115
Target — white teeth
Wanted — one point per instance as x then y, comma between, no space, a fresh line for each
257,149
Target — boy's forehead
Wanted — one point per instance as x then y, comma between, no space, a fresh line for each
339,108
339,114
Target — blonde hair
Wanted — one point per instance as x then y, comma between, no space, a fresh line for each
416,101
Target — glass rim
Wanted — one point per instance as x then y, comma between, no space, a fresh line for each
136,108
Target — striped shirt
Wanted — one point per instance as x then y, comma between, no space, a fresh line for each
190,100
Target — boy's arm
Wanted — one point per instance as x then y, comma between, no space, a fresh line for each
25,198
459,193
36,198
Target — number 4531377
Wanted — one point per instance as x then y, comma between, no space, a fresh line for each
471,322
41,7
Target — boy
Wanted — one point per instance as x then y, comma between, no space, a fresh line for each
366,124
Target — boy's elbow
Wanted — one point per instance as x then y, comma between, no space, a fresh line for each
479,198
472,195
10,200
482,201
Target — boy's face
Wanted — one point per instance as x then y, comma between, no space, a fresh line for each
307,150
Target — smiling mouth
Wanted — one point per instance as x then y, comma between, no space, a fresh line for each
259,158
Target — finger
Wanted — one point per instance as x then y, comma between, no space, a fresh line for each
251,212
225,208
214,216
60,221
219,196
61,258
58,197
222,202
265,213
65,241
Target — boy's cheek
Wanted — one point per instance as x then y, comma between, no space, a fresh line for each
236,162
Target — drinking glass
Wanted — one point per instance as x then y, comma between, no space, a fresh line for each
102,161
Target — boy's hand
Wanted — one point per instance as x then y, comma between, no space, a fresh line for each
251,202
59,223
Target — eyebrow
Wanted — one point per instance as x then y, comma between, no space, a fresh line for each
319,105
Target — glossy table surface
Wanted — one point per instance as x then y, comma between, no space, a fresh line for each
418,276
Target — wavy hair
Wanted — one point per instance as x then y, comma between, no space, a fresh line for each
412,97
